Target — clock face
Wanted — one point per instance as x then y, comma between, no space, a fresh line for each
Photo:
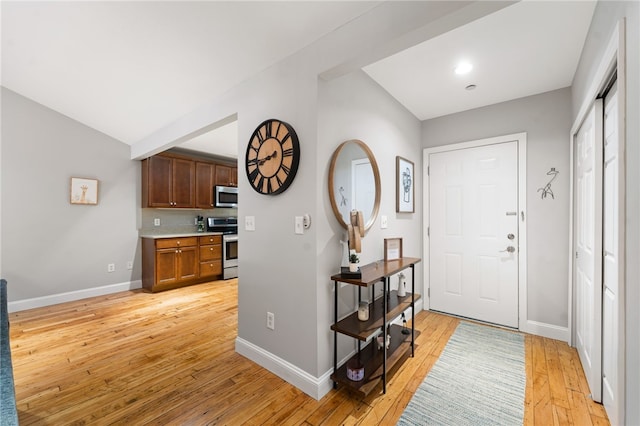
272,157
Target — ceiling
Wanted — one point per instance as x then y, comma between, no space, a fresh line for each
130,68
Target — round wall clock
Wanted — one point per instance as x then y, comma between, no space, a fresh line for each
272,158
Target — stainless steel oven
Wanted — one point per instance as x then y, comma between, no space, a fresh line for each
229,256
228,226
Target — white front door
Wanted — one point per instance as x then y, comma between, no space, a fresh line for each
473,228
588,244
610,291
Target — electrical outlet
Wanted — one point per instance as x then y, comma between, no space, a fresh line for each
249,223
156,221
111,267
130,265
271,321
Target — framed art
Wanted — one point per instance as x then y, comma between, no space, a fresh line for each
392,248
405,184
84,191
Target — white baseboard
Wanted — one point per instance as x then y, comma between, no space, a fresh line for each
53,299
315,387
546,330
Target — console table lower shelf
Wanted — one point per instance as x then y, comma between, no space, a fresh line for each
372,359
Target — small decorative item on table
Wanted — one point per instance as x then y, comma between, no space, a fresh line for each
363,311
353,261
402,285
392,249
355,370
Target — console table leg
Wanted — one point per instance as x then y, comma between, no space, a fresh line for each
335,333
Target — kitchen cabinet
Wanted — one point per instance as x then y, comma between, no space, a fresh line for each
226,175
205,181
168,182
377,362
210,256
169,262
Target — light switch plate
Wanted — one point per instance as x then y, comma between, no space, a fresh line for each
299,225
383,222
249,223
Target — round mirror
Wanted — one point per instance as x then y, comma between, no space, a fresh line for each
354,182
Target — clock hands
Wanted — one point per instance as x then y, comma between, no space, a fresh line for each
268,157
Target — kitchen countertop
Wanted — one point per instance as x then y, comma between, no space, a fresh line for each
180,235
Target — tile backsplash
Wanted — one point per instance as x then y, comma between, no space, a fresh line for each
176,221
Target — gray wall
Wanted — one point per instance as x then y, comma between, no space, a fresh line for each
279,271
355,107
50,246
546,120
606,16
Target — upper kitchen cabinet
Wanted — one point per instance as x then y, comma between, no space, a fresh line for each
205,181
226,175
168,182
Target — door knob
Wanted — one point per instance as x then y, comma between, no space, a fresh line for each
510,249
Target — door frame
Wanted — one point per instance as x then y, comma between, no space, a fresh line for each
613,60
521,140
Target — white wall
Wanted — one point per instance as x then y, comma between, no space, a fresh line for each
49,245
606,16
546,120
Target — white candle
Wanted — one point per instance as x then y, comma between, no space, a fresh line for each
363,311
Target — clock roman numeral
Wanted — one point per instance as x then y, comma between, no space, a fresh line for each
278,128
253,174
267,129
255,144
286,169
287,152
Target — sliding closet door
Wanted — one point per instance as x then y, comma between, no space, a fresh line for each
588,245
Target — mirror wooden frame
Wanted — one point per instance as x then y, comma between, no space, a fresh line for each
376,176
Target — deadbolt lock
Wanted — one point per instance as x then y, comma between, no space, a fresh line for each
511,236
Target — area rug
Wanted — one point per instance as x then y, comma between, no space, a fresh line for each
479,379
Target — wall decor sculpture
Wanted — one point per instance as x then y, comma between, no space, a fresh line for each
546,190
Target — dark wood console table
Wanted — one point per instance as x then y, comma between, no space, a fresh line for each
381,312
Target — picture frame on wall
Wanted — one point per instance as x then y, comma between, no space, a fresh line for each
405,186
392,249
84,191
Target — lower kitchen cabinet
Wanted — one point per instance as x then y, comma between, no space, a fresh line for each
175,262
210,256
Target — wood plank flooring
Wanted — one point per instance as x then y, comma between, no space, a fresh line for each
168,359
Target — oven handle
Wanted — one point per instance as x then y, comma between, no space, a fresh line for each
229,238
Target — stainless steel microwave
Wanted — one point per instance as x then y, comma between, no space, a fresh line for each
225,196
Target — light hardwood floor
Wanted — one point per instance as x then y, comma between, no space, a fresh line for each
168,359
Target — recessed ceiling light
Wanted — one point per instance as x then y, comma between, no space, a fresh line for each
463,68
470,87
